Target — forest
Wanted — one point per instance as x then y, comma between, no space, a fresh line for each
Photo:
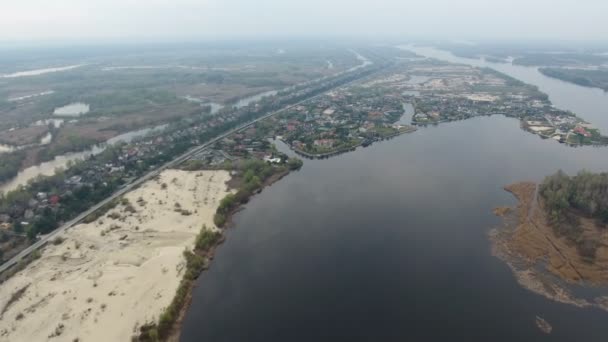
568,198
582,77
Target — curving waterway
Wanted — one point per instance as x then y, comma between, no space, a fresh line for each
590,104
389,243
49,168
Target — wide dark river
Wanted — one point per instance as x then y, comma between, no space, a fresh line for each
389,243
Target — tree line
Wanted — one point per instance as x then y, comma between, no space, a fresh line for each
569,197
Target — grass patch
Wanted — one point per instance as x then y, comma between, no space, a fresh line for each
14,298
101,211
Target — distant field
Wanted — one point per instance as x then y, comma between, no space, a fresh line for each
129,91
23,136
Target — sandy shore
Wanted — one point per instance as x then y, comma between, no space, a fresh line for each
110,276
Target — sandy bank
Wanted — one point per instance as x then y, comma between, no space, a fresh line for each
110,276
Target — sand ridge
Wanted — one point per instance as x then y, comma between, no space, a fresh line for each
110,276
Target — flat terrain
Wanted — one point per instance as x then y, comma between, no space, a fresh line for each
23,136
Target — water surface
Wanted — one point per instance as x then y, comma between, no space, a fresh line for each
72,109
590,104
389,243
60,162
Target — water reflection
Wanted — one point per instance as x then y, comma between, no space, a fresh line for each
49,168
389,243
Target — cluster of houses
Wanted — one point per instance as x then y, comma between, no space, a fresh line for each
250,143
341,119
123,161
120,164
449,94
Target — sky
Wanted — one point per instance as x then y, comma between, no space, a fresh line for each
32,20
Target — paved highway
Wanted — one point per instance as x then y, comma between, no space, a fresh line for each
148,176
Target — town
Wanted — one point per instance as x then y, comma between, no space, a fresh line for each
46,203
342,120
316,120
443,92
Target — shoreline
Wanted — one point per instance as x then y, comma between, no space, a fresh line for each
120,270
308,155
173,331
540,261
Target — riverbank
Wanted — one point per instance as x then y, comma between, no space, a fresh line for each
120,271
592,78
248,180
405,130
541,261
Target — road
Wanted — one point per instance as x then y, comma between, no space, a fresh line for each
14,260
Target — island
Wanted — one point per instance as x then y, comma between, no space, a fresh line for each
586,77
555,239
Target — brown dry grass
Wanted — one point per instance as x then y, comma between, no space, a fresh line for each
534,240
502,211
23,136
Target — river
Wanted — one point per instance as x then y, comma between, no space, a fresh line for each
590,104
389,243
49,168
216,107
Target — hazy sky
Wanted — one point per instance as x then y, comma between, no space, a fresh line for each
453,19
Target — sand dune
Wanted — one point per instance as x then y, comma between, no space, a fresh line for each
110,276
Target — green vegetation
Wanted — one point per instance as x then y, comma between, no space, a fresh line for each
49,201
567,198
582,77
560,59
21,265
253,173
196,262
101,211
11,163
72,143
295,163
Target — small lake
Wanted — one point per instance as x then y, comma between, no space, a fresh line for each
48,168
59,162
6,148
44,140
254,98
72,109
216,107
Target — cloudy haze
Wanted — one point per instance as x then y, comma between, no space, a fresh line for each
464,19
